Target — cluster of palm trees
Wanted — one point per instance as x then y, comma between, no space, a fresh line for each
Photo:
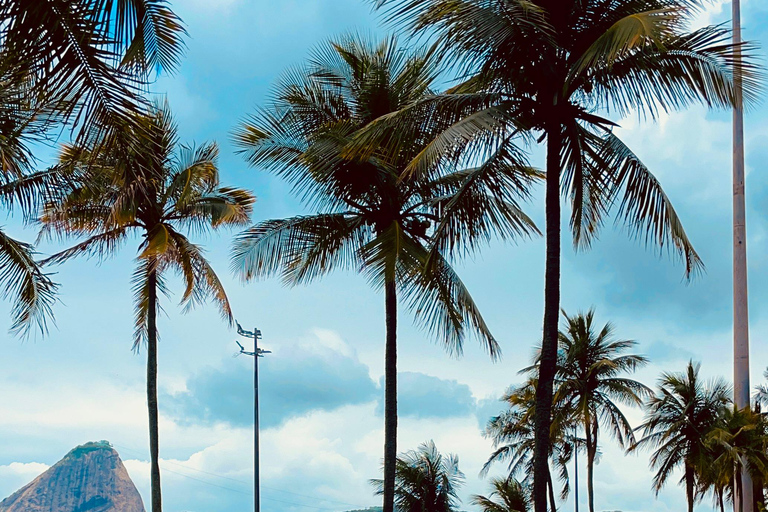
403,175
690,427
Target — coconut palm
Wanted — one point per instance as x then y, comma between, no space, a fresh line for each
554,69
508,495
592,378
426,481
145,183
738,442
92,57
400,231
679,419
513,438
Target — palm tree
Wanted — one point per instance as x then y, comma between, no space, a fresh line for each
508,495
514,440
143,182
92,58
548,67
79,61
738,443
591,378
400,231
425,481
679,419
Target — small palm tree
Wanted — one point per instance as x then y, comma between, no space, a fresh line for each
551,69
738,442
425,481
592,379
514,440
144,183
508,495
401,231
679,419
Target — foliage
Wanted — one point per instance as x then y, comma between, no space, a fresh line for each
425,481
508,495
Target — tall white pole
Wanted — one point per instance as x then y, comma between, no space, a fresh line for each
741,388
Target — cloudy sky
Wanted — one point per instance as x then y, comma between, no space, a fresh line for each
321,387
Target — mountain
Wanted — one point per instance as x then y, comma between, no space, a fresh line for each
90,478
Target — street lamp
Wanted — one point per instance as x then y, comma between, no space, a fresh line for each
256,354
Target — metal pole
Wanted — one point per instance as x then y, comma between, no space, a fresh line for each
741,386
256,500
256,354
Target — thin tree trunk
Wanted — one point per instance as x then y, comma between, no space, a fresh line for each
689,486
154,444
591,437
390,396
542,416
552,503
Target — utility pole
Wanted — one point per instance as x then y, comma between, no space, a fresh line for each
741,388
256,354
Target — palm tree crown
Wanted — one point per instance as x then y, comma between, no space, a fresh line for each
679,418
508,495
426,481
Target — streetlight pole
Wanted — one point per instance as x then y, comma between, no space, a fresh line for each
741,386
256,354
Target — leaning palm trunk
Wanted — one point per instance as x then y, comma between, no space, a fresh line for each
542,416
551,488
154,443
390,396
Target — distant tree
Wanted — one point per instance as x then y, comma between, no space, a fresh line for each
738,441
592,379
399,229
508,495
513,438
143,182
679,420
426,481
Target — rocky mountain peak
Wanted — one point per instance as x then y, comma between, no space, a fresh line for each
90,478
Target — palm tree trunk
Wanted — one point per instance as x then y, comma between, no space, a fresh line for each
542,416
390,396
689,486
154,444
591,454
552,503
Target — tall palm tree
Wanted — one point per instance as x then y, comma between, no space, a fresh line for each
679,419
145,183
513,438
400,231
93,57
425,481
592,377
553,68
508,495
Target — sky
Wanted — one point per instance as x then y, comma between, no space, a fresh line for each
321,387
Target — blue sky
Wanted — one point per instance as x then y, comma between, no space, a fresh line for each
321,386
